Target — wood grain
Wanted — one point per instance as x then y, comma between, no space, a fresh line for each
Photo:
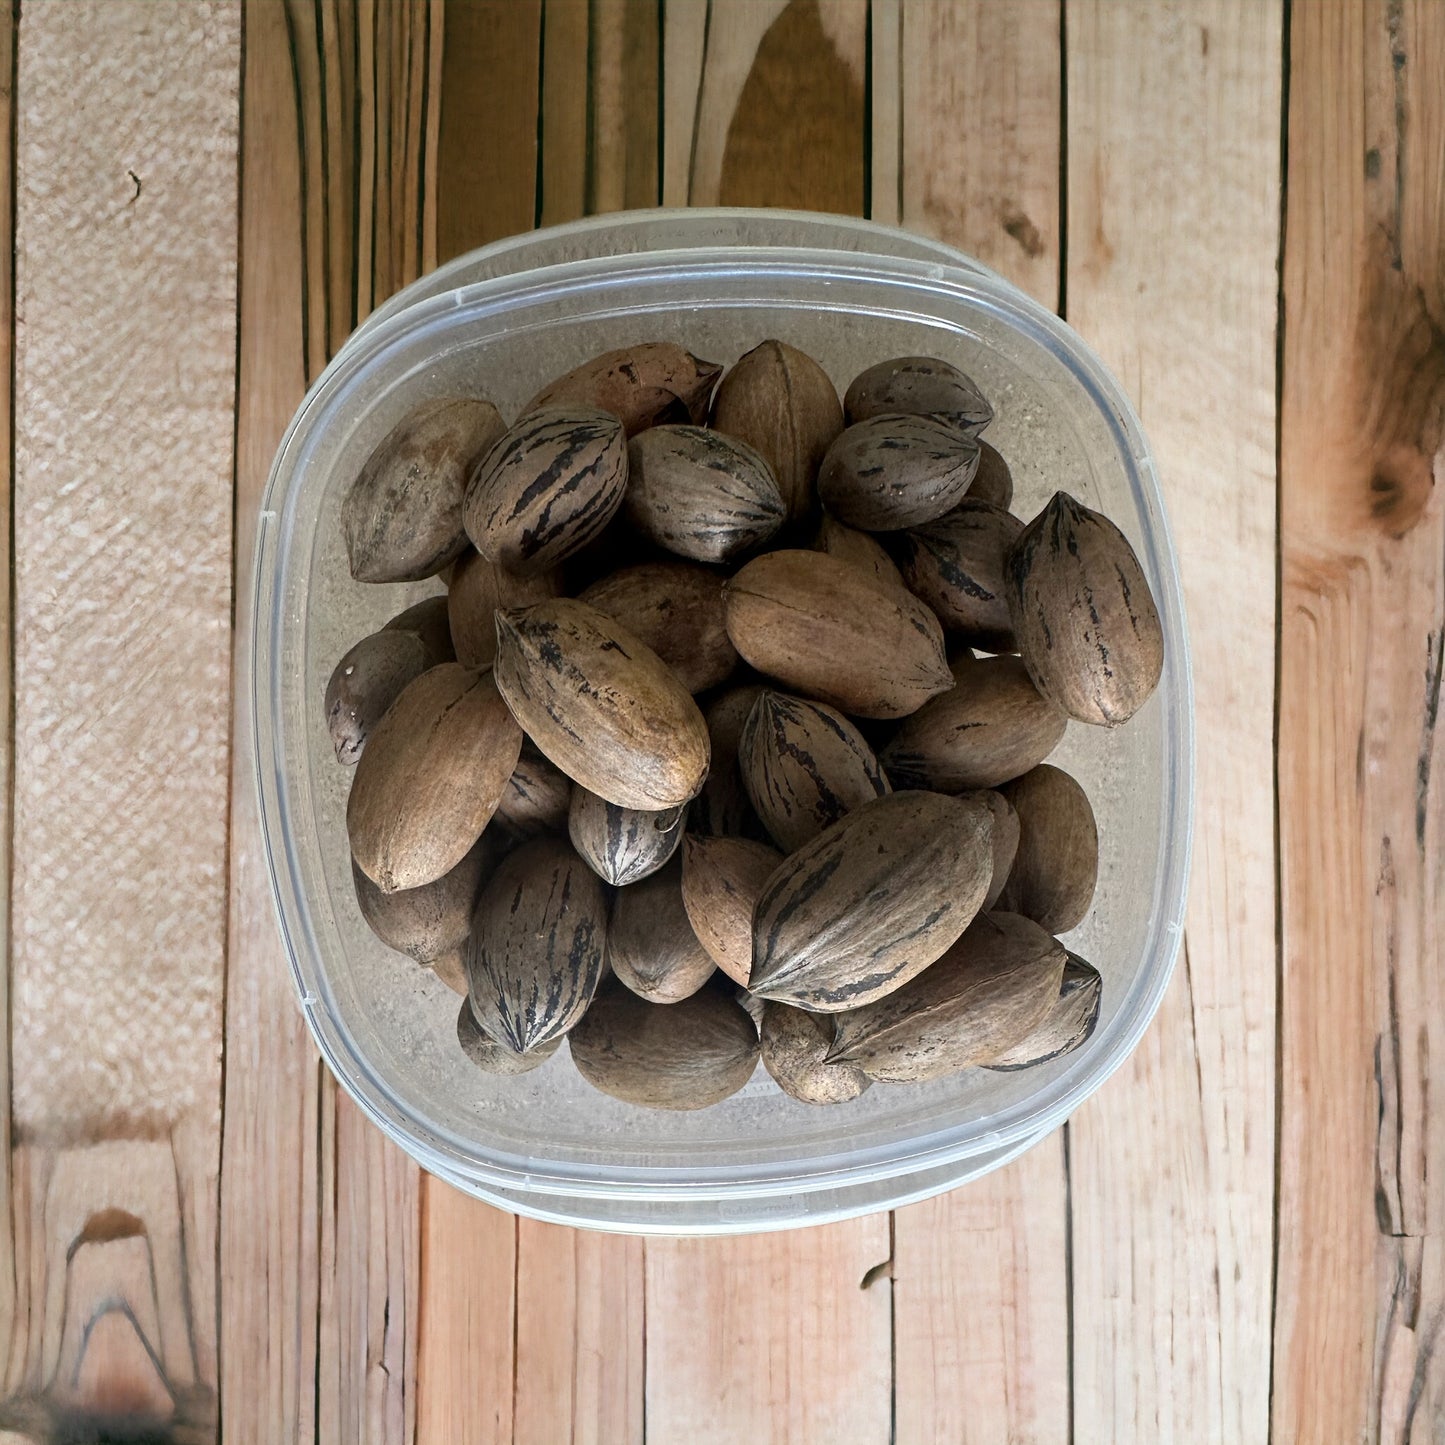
270,1171
576,1300
320,1217
120,690
465,1365
1172,124
771,1336
772,115
981,88
805,1356
487,156
580,1337
980,1275
1361,818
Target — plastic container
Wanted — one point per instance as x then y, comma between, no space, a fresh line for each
503,320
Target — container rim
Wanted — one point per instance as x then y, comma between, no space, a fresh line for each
905,285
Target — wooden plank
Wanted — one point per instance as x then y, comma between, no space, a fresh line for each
773,113
370,1234
980,1290
320,1217
487,157
1173,115
464,1378
684,39
981,132
565,101
580,1340
771,1336
966,140
270,1206
625,70
1362,823
121,709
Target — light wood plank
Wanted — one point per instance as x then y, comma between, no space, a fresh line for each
270,1282
468,1319
469,1305
980,1289
625,73
579,1322
121,716
580,1343
771,1336
1362,822
981,132
320,1217
980,1275
1173,119
684,41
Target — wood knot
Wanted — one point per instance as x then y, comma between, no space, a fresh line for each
1399,489
1022,229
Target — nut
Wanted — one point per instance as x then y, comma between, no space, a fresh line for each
700,494
429,922
956,565
494,1058
984,997
795,1047
650,943
478,588
601,705
683,1055
643,385
834,633
992,725
722,880
804,766
622,845
780,402
857,549
920,386
1057,863
538,940
1069,1023
536,798
894,471
1085,619
403,515
871,901
431,777
676,608
547,488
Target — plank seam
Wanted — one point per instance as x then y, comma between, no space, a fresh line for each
1286,19
1063,292
540,181
7,823
229,852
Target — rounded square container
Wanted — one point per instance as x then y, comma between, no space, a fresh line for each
501,322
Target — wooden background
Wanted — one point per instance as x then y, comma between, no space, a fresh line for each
1241,204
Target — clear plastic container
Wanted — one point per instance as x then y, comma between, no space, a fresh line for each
502,321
